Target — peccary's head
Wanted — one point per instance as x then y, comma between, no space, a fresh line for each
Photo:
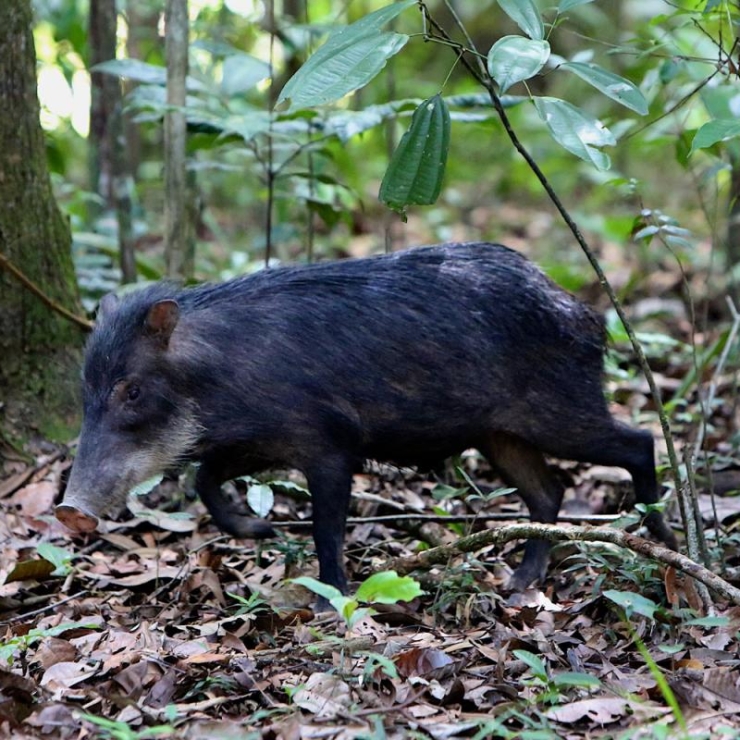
137,421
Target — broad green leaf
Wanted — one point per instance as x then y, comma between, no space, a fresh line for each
632,603
613,86
350,58
583,680
515,58
415,173
388,588
565,5
151,74
260,498
241,72
57,556
575,130
715,131
322,589
247,125
526,15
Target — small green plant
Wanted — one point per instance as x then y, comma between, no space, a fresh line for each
254,604
116,730
619,569
380,588
630,604
21,643
375,662
551,686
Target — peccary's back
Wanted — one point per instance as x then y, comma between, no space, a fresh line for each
425,349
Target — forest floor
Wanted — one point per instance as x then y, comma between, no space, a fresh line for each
158,626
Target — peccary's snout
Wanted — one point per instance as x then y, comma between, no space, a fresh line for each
75,518
103,472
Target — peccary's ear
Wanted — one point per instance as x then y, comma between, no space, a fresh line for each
162,320
108,305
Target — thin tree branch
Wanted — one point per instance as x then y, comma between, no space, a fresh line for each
7,265
454,519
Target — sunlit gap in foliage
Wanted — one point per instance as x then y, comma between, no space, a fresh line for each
61,101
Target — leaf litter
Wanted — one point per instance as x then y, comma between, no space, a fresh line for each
160,626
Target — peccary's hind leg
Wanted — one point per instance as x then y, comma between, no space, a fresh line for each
523,466
633,450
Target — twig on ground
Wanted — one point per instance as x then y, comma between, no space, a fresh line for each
49,607
452,519
557,533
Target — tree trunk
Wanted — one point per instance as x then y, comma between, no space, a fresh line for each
39,349
105,99
179,240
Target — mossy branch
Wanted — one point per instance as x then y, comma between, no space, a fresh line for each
566,533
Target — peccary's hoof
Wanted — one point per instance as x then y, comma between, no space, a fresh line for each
527,574
518,582
252,529
76,519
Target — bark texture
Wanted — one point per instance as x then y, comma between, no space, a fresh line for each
39,350
178,234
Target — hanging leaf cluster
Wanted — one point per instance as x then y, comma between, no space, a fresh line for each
354,54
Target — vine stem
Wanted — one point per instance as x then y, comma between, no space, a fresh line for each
8,266
482,76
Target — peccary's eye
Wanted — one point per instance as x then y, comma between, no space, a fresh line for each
133,392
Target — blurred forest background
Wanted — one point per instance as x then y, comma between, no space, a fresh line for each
657,204
655,201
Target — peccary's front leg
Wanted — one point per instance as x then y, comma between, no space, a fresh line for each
330,483
228,519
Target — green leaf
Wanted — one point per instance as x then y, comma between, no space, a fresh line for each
515,58
319,588
260,498
633,603
415,173
375,660
247,125
705,621
575,130
582,680
568,4
57,556
346,606
151,74
241,72
535,663
146,486
388,588
613,86
350,58
526,15
714,131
